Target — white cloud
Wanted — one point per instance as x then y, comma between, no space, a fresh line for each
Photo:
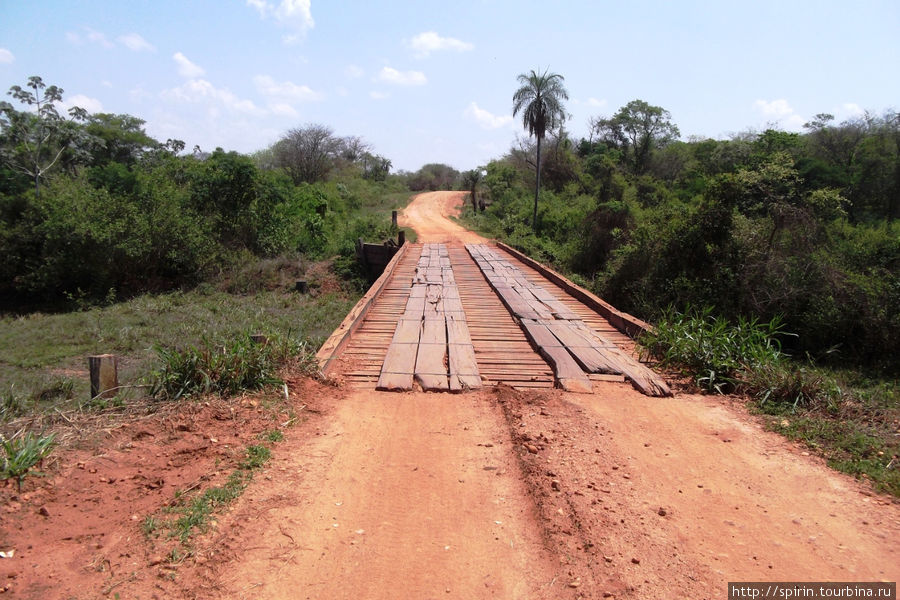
6,57
283,109
201,91
429,41
293,14
285,90
781,112
186,68
595,103
353,72
98,38
375,95
486,119
135,42
389,75
92,105
776,108
89,35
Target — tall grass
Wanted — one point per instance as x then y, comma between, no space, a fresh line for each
715,353
242,364
21,453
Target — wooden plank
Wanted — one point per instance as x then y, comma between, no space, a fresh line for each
431,361
590,359
624,322
400,360
339,338
567,372
463,365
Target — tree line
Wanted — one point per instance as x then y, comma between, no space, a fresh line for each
91,207
763,224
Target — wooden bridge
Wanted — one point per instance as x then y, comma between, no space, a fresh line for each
453,317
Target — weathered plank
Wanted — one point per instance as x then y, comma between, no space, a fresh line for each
463,365
399,363
590,358
569,375
624,322
431,361
339,338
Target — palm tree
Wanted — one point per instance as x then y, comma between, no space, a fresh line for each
540,100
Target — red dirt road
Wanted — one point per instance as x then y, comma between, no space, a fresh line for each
427,215
385,495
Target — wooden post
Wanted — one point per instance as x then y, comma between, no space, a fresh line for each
394,218
104,370
401,237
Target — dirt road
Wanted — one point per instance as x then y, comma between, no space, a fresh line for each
426,496
427,214
493,494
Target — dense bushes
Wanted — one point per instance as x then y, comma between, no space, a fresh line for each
764,225
130,215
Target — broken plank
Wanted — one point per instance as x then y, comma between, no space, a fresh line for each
565,369
431,365
463,366
590,358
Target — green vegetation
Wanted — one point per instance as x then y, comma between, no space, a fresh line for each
44,363
191,513
852,424
539,99
714,353
226,370
761,226
92,209
21,453
116,242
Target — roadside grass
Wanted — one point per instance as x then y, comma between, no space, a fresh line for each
240,364
850,419
44,367
192,512
21,453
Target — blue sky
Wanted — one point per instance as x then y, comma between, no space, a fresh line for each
425,81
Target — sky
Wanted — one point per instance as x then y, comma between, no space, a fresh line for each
424,81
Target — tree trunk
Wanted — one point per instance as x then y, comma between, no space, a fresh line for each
537,186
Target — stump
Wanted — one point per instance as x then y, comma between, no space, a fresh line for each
104,370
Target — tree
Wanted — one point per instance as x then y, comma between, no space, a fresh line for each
308,153
118,138
375,167
539,99
33,141
637,130
471,179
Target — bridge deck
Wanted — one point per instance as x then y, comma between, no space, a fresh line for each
503,351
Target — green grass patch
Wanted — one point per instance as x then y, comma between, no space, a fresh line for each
714,352
21,453
242,364
191,513
272,435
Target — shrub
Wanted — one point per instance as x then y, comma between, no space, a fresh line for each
21,453
710,349
227,370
